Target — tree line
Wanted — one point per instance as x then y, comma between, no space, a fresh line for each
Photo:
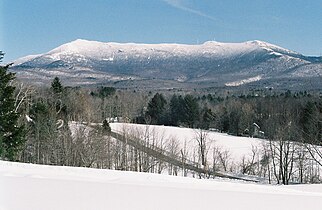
237,114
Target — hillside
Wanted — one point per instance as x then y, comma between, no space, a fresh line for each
211,64
38,187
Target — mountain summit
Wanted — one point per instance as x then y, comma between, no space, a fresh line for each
211,64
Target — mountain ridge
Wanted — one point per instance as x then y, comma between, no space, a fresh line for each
211,63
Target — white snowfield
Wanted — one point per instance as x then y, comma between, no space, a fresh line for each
244,81
111,51
41,187
237,147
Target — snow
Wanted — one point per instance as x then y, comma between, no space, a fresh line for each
29,119
244,81
38,187
102,50
271,47
109,51
25,59
238,147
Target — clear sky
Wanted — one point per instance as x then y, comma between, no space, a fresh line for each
37,26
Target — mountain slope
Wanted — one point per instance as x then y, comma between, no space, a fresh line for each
208,64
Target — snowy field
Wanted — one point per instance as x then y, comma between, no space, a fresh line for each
36,187
237,147
226,153
41,187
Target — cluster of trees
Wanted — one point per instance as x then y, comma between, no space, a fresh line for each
180,110
237,114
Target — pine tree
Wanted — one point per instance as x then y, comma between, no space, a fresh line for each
207,118
223,122
156,108
104,92
310,123
11,134
56,86
176,110
191,111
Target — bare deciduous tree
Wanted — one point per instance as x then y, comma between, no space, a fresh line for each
201,136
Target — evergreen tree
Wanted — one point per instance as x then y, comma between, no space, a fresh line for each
11,134
58,100
104,92
176,108
56,86
234,122
223,123
310,123
156,108
191,111
207,118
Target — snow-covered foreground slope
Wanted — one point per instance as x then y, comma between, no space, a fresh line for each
36,187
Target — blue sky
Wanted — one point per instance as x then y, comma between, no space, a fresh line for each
37,26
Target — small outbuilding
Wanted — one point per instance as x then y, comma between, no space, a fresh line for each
256,132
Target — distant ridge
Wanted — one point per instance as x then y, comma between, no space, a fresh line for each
211,64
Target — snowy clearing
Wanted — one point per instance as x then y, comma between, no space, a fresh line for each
238,147
38,187
244,81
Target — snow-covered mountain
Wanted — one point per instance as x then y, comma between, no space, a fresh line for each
209,64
